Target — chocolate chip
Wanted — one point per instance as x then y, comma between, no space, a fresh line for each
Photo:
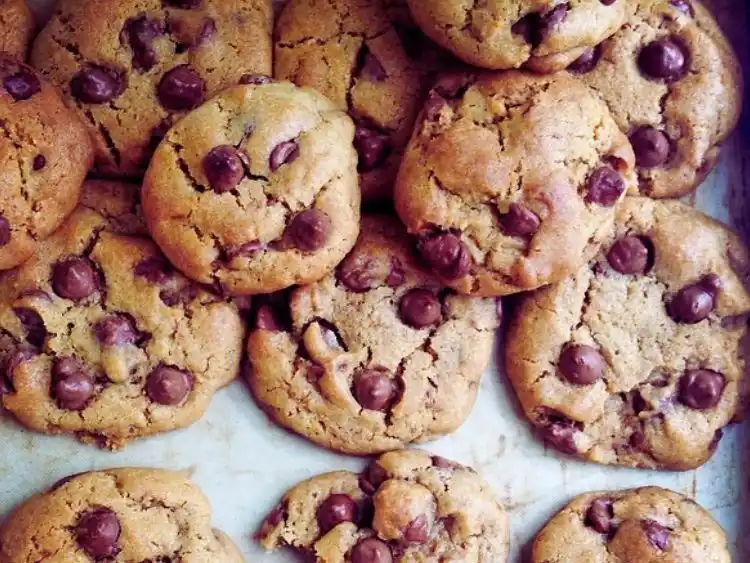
359,274
418,530
420,308
244,250
369,66
600,514
36,332
22,85
183,4
373,148
581,364
276,516
607,2
39,162
5,231
72,387
265,319
168,385
283,153
206,31
371,550
255,79
396,276
549,21
451,86
631,255
651,146
433,106
139,33
224,168
309,231
446,254
98,532
336,509
74,279
683,6
374,477
181,89
560,434
605,186
664,59
116,330
701,389
20,356
587,61
656,534
97,84
442,463
374,390
155,270
519,221
694,303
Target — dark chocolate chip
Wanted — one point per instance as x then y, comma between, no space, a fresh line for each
309,231
72,386
98,533
519,221
265,319
396,276
560,433
206,31
446,254
587,61
600,514
656,534
183,4
224,168
607,2
155,270
22,85
5,231
74,279
701,389
276,516
168,385
374,390
370,67
664,59
116,330
20,356
359,273
181,89
418,530
244,250
255,79
581,364
139,33
371,550
336,509
694,303
433,106
549,21
97,84
683,6
282,154
605,186
651,146
631,255
442,463
420,308
36,332
373,148
40,161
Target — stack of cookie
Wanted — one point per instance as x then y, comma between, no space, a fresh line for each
332,206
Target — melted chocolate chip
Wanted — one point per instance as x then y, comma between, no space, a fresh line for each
587,61
36,332
168,386
374,390
116,330
442,463
244,250
396,276
72,386
22,85
418,530
651,147
5,231
183,4
206,31
549,21
694,303
98,533
560,433
605,186
420,308
701,389
224,168
359,274
600,514
631,255
581,364
519,221
255,79
446,254
656,534
309,231
372,147
283,153
664,59
155,270
97,84
181,89
74,279
276,516
371,550
139,33
336,509
40,161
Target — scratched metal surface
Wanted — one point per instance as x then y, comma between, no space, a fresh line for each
244,463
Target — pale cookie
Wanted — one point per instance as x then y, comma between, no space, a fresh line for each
639,358
16,28
375,356
132,68
674,86
257,190
647,525
104,340
45,154
545,35
407,507
510,180
117,515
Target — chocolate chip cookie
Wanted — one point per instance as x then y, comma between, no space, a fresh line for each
46,154
117,515
510,179
374,356
17,24
407,506
131,69
647,524
103,339
352,53
256,190
674,86
639,358
500,34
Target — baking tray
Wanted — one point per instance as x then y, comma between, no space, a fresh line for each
244,463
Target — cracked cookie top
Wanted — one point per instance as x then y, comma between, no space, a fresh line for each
374,356
17,23
407,506
117,515
46,154
645,525
351,52
100,337
256,190
132,68
674,85
118,202
639,358
545,35
510,179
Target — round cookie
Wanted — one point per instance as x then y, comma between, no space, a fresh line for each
674,86
17,24
102,339
639,358
545,35
374,356
132,69
45,154
352,53
407,506
117,515
644,525
510,179
256,190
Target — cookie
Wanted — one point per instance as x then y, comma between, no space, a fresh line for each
544,35
407,506
647,524
639,358
45,154
510,179
256,190
102,339
118,202
351,52
18,25
117,515
132,69
674,86
375,356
